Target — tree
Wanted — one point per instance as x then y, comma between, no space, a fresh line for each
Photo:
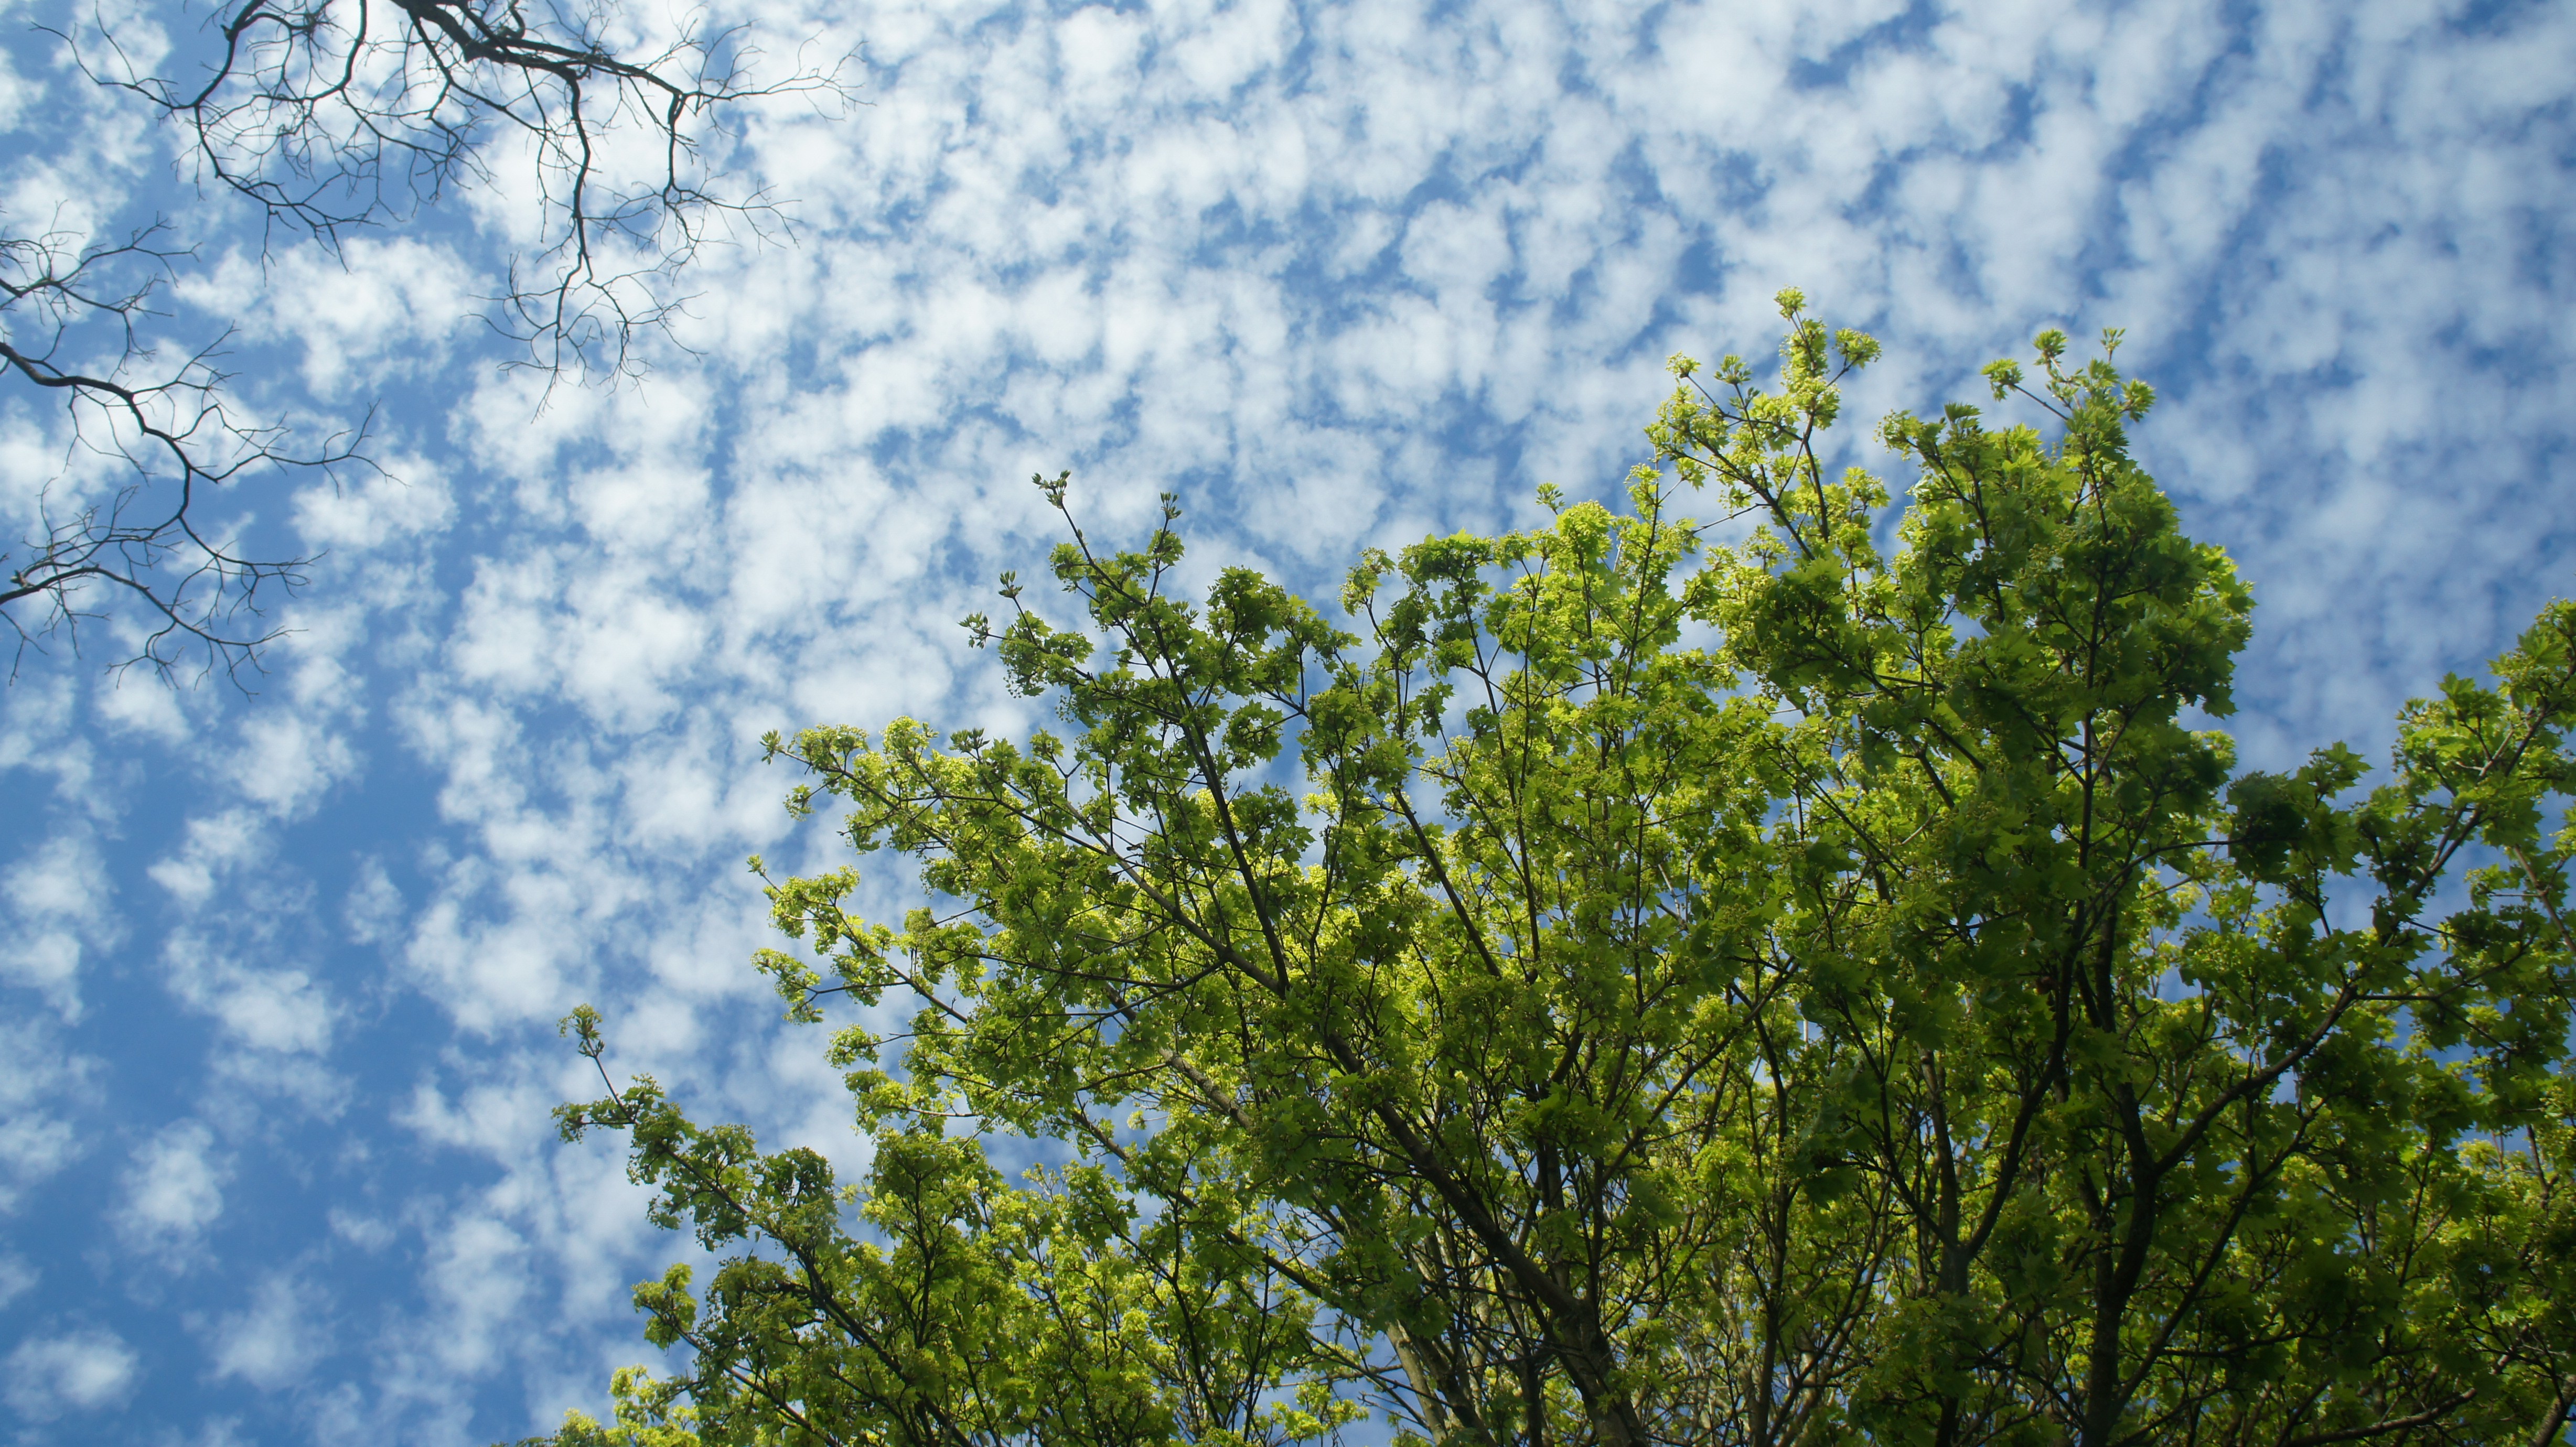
1792,992
333,117
145,541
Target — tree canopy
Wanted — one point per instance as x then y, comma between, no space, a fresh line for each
1625,987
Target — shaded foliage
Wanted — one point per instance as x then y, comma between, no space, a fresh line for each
1790,992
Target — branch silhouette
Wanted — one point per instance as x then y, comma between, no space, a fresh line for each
169,429
333,116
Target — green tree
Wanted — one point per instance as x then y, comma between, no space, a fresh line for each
1623,989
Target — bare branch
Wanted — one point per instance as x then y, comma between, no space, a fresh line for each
338,114
332,115
170,431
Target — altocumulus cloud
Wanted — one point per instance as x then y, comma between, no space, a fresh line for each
174,1190
284,970
86,1368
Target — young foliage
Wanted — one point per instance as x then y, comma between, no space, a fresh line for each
1796,992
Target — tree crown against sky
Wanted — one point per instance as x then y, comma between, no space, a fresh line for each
283,969
1627,988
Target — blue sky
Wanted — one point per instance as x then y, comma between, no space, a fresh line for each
281,973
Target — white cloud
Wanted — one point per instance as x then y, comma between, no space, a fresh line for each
33,1146
374,909
48,962
501,1121
288,761
217,846
57,894
17,93
60,879
478,1278
271,1009
136,704
274,1340
380,309
42,1083
367,1233
174,1190
36,729
408,498
79,1370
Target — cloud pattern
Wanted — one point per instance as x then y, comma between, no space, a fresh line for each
281,973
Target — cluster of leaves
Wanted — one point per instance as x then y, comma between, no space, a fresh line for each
1788,992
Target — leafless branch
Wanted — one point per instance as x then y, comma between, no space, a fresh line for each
169,430
332,115
337,114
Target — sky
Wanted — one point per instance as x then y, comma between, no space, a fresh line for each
279,973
